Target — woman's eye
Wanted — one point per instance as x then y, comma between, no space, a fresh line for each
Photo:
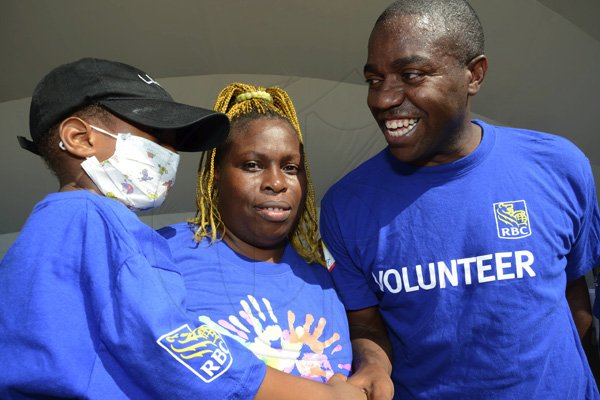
251,166
291,169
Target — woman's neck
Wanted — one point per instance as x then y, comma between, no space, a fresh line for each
256,253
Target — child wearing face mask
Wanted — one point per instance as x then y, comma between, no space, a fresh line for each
91,305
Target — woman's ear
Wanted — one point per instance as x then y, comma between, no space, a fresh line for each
216,175
477,68
75,137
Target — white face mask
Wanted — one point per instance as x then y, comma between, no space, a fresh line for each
139,174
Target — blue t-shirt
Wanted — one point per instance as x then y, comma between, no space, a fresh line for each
91,306
287,313
468,264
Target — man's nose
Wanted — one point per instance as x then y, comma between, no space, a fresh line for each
389,95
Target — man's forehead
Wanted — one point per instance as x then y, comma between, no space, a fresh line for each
411,32
428,25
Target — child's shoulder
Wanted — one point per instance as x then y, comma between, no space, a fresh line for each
81,201
178,231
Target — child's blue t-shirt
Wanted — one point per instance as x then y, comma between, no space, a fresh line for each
92,306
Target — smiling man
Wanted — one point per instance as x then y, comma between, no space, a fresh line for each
460,250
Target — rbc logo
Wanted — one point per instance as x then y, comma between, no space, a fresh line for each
202,350
512,219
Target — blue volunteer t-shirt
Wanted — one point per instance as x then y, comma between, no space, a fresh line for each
287,313
468,263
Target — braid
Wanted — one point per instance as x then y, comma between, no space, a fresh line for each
243,103
207,216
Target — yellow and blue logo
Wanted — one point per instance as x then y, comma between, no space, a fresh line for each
512,219
202,350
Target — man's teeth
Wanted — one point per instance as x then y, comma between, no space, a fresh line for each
272,209
400,127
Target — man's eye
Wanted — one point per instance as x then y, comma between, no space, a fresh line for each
411,76
373,81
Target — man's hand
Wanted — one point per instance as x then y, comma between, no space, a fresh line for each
373,376
372,354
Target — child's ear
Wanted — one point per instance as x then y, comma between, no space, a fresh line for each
75,136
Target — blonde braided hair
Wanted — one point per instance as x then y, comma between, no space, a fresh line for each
242,102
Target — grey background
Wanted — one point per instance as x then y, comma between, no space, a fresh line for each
544,65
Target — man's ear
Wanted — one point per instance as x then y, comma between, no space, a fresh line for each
76,137
477,68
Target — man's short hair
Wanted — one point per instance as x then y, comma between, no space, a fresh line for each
456,18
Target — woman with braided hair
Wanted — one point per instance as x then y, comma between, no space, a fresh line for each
251,258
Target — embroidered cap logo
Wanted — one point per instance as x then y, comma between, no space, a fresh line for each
148,80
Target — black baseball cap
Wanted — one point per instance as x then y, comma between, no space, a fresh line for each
126,92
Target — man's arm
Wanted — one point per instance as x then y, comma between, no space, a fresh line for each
578,297
579,302
372,354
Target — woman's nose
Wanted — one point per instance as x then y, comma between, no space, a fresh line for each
274,180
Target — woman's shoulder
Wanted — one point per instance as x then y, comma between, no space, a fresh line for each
310,272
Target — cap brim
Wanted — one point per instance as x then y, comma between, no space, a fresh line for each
198,129
28,145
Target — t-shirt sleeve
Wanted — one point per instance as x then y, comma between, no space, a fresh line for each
349,272
585,253
149,335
